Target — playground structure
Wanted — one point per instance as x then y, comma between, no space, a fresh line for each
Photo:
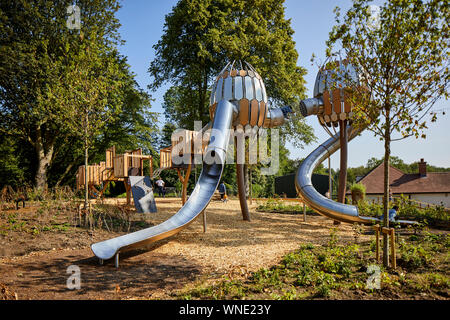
186,146
332,105
238,99
116,168
121,167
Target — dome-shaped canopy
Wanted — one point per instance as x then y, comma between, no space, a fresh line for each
239,83
332,85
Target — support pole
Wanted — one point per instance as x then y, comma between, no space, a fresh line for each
128,190
116,260
343,163
330,185
377,236
204,220
251,187
304,212
184,181
241,191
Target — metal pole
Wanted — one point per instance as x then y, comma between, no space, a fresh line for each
330,186
304,212
241,191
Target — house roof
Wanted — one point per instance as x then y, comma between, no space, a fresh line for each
400,182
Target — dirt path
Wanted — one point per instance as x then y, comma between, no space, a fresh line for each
230,246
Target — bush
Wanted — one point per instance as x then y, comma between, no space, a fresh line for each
358,187
408,210
413,256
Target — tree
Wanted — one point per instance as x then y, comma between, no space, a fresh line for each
201,36
36,49
403,58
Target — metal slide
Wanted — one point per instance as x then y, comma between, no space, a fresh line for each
316,201
209,178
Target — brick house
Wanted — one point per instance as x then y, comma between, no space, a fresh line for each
428,187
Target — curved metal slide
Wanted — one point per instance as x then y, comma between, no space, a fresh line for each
209,178
319,203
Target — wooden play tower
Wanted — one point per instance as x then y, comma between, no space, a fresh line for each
186,145
115,168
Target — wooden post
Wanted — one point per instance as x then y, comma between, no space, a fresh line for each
151,165
128,190
204,220
393,257
184,180
377,236
251,187
116,260
391,232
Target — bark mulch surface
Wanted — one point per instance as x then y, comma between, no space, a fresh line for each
35,266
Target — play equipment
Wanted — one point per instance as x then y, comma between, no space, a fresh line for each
238,98
121,167
331,103
187,145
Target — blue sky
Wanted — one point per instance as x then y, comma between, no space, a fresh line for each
142,26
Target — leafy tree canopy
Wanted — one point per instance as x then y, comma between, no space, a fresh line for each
201,36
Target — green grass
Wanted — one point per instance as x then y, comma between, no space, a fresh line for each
279,206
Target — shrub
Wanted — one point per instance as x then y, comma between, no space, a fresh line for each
413,256
358,187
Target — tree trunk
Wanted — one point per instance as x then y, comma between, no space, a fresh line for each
342,188
86,182
44,155
387,155
246,181
86,155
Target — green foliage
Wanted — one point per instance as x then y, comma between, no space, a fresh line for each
433,215
358,187
413,256
404,61
279,206
11,172
404,67
201,36
51,76
338,271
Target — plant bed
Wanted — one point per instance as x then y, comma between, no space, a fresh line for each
333,271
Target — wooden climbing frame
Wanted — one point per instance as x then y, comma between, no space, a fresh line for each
115,168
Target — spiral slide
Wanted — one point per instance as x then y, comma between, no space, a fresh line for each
197,202
322,205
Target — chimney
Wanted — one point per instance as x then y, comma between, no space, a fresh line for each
422,168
